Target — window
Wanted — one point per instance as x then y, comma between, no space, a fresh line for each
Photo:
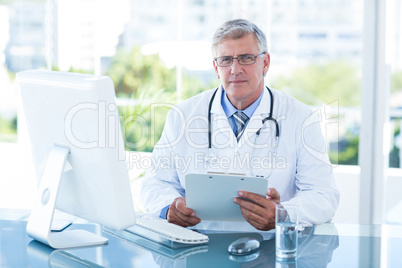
313,36
145,46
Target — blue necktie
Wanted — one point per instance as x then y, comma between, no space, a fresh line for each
240,120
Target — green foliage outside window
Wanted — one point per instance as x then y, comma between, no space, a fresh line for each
132,71
396,81
150,88
8,130
335,81
319,84
143,119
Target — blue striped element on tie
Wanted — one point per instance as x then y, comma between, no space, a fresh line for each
240,119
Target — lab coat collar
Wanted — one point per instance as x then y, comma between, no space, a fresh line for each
265,104
216,105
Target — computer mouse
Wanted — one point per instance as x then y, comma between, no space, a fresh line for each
243,246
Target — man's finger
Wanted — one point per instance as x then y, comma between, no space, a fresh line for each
189,220
262,210
182,219
181,207
180,214
255,198
273,194
260,222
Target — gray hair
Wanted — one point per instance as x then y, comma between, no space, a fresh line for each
236,29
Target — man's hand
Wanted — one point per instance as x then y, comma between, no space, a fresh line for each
257,210
181,215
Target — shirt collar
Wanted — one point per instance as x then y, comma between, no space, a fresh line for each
230,109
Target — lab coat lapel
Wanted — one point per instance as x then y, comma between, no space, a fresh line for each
221,129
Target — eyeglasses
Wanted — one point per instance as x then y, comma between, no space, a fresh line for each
245,59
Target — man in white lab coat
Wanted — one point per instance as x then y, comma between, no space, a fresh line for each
255,131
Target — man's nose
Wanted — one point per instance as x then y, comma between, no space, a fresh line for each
236,67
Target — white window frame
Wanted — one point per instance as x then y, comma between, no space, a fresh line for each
373,156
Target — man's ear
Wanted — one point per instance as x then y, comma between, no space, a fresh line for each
216,69
267,61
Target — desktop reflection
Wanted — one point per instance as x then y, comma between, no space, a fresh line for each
316,250
356,246
41,255
313,251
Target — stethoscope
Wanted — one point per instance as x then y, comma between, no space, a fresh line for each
211,156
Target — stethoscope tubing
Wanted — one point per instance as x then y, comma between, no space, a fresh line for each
270,117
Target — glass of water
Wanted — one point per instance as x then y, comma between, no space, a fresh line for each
286,220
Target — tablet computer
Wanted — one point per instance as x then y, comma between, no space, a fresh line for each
211,195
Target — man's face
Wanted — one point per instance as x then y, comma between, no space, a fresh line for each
243,83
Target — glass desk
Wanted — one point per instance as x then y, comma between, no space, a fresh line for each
327,245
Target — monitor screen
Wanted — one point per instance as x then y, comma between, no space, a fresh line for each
78,112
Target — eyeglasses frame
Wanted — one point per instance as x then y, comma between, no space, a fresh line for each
233,58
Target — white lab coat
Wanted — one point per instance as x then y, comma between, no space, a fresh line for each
299,169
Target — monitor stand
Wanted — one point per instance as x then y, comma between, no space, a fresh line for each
40,221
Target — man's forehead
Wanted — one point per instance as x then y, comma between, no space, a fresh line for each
244,45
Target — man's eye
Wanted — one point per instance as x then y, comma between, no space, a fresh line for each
226,59
246,57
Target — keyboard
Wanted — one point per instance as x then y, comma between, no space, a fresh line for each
159,229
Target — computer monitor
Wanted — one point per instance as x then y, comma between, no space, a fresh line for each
78,151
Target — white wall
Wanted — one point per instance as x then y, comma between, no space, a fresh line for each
347,178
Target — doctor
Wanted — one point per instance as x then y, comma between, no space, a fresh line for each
243,127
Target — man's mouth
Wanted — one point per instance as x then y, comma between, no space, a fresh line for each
237,81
